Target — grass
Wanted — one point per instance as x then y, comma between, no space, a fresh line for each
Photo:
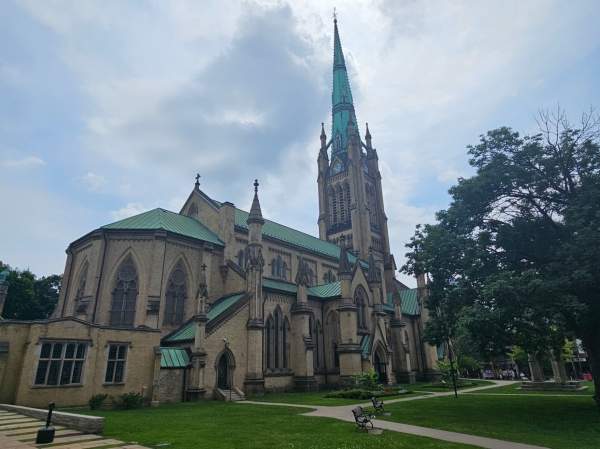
220,425
557,422
516,389
316,398
428,386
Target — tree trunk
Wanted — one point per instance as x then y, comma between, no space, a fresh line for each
592,347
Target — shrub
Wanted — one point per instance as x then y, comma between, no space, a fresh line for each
97,400
367,380
129,400
358,393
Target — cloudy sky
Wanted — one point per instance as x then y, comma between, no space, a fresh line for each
109,108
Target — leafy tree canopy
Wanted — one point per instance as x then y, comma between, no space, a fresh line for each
29,297
515,258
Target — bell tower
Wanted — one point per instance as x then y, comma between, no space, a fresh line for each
351,212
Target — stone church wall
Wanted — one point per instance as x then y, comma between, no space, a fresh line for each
171,384
25,342
231,335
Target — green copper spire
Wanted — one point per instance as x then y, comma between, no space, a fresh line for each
341,97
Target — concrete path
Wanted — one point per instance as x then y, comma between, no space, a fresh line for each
344,413
19,432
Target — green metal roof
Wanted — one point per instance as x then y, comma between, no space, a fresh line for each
296,238
323,291
222,304
341,97
187,332
331,290
174,358
410,301
167,221
280,286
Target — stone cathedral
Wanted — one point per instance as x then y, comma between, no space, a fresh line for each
218,302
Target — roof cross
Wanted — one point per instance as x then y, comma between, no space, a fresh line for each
197,180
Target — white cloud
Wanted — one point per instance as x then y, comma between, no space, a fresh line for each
26,162
128,210
237,91
93,181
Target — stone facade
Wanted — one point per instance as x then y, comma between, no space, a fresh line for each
188,305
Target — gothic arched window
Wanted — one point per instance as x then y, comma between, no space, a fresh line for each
334,207
277,341
285,350
347,200
278,268
270,343
124,295
332,337
361,300
341,203
329,277
176,295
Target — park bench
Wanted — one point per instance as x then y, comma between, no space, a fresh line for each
377,405
362,420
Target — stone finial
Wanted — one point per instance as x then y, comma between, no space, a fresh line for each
255,212
197,184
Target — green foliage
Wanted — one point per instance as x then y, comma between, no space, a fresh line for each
129,401
514,259
358,393
30,298
97,400
367,380
466,362
519,356
445,370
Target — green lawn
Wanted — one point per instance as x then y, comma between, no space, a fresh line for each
516,389
556,422
316,398
428,386
217,425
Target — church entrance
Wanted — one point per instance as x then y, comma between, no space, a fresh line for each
224,372
380,366
223,381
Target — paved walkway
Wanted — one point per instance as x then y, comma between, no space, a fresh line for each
344,413
19,432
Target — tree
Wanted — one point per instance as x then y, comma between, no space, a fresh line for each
29,298
515,256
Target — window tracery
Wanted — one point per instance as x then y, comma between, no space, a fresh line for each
124,295
176,296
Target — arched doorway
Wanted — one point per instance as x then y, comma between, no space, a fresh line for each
224,367
380,365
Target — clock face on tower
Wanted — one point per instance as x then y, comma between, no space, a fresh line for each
337,167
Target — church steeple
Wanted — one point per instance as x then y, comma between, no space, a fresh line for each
350,194
341,97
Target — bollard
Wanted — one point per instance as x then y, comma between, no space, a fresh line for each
46,433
